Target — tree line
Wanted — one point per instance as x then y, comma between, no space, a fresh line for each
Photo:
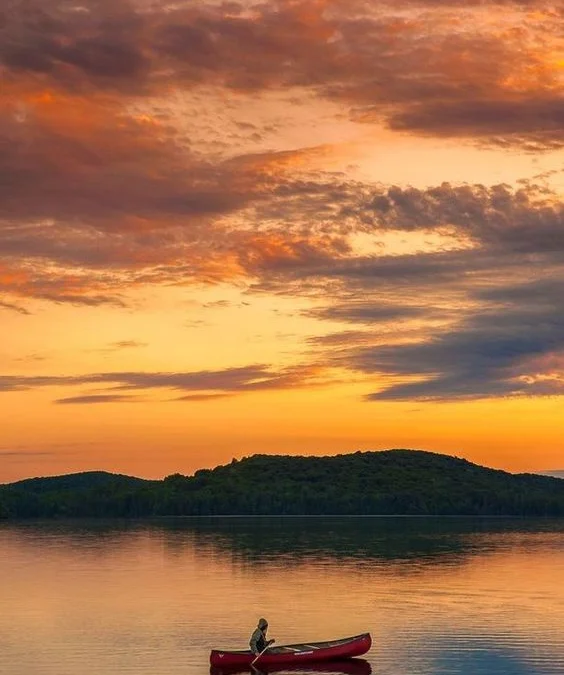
394,482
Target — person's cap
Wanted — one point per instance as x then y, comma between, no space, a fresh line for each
263,623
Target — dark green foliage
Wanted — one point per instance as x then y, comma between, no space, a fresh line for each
393,482
88,479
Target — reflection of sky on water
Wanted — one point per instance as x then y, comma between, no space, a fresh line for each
448,596
484,655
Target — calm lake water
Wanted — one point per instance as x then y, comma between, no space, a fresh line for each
152,597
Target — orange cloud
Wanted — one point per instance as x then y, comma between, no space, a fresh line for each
197,385
96,197
394,62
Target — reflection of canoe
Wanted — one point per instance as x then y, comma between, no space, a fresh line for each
295,654
342,667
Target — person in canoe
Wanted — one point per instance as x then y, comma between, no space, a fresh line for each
258,642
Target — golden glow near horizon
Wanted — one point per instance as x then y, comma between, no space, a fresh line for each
272,227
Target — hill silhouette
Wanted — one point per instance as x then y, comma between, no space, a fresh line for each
402,482
76,481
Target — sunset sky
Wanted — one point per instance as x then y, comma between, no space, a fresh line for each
288,226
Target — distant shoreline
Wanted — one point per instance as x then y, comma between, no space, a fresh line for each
393,483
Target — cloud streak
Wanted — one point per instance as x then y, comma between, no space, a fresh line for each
14,308
95,398
201,385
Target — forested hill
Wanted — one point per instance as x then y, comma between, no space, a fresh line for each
388,482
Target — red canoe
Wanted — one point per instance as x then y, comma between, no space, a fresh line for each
295,654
